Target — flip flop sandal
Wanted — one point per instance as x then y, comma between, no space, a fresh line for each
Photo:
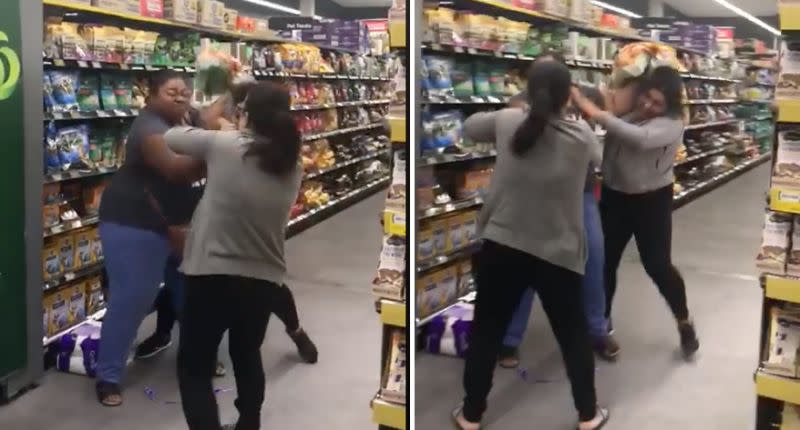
605,414
508,353
108,394
454,415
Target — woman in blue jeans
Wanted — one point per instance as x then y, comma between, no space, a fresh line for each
594,296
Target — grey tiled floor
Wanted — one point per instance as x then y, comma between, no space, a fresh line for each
714,243
331,269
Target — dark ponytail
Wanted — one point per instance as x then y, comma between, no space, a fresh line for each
549,84
276,138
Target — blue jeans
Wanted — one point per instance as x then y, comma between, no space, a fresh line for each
135,260
594,295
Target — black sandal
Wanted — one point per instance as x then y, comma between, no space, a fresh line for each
508,353
454,415
603,413
108,394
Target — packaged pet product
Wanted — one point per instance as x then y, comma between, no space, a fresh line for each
448,333
73,44
66,252
88,94
396,198
440,237
91,198
438,290
461,76
480,80
77,351
97,245
94,295
497,81
790,417
394,386
464,277
123,92
787,160
390,281
426,295
76,308
72,144
47,92
64,89
470,225
45,317
229,19
107,92
83,249
425,248
58,310
211,13
439,71
784,342
441,130
51,260
788,86
775,243
181,10
455,232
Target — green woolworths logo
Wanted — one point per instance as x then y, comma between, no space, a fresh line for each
8,79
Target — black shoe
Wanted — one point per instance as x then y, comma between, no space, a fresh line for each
689,342
305,347
508,357
152,346
607,348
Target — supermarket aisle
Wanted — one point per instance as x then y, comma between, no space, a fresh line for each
715,241
331,269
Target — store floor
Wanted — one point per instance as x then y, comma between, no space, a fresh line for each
650,388
331,268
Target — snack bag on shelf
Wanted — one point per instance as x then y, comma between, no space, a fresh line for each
88,93
448,333
97,245
789,77
51,261
83,249
390,279
94,295
786,172
73,44
394,385
66,249
775,243
76,308
58,304
464,277
64,87
784,342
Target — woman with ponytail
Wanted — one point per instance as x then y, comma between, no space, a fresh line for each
234,253
532,230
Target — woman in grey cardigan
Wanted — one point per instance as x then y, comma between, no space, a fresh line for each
234,254
533,236
636,201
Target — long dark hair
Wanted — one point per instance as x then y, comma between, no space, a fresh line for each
276,140
667,81
549,84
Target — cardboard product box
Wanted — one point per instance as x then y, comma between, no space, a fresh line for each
95,300
775,238
425,248
83,249
441,244
230,18
97,245
185,11
784,343
124,6
469,222
151,8
211,13
465,277
436,290
455,232
426,293
58,311
76,307
51,261
66,252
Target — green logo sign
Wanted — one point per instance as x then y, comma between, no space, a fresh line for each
10,77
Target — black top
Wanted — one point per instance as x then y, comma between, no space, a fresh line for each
125,201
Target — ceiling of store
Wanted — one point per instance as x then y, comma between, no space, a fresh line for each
711,8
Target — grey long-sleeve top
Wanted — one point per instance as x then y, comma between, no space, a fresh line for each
535,202
239,226
639,157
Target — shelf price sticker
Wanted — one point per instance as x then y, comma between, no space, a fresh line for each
394,223
785,200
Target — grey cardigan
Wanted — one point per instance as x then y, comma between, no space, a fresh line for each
240,223
535,202
639,157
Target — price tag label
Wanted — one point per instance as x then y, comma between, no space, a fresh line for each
83,64
56,229
102,114
96,65
150,68
785,200
118,112
123,66
458,49
472,51
75,114
59,62
55,177
69,276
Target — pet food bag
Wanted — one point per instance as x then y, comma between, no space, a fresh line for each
448,333
774,243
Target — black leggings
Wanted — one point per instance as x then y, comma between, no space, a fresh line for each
215,304
284,308
648,218
502,274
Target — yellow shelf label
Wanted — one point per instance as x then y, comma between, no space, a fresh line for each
393,313
389,414
789,15
398,129
397,34
394,223
779,388
786,289
788,110
784,200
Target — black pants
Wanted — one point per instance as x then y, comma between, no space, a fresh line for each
284,308
215,304
501,276
648,218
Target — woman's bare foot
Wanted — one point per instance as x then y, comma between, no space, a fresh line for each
600,419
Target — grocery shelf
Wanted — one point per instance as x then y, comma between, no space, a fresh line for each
341,131
327,76
344,164
701,155
778,387
783,288
77,174
340,104
431,160
388,414
66,278
314,216
789,16
46,341
703,187
455,49
711,124
710,101
449,207
69,226
469,297
94,114
474,100
709,78
788,110
393,313
397,127
447,258
108,66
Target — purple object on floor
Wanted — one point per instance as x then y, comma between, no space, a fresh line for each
448,333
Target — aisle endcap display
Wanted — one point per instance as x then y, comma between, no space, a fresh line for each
393,313
778,388
388,414
789,16
788,110
782,288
